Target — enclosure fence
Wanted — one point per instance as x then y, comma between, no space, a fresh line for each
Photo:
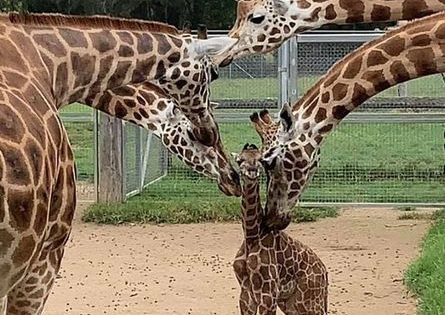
390,151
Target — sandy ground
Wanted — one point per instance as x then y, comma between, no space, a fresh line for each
186,269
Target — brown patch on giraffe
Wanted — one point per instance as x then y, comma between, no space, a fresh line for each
119,74
125,37
321,115
309,148
16,171
21,208
83,68
125,51
144,43
394,46
12,55
143,69
330,12
62,79
164,45
103,41
376,57
377,78
23,251
339,91
380,13
120,111
73,38
40,220
57,197
130,103
399,72
421,40
174,57
359,95
11,127
412,9
14,79
340,112
4,270
55,129
51,43
355,10
423,60
33,153
353,68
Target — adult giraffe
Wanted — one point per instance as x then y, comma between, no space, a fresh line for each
413,51
263,25
47,61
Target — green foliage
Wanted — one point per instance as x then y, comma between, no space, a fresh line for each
426,276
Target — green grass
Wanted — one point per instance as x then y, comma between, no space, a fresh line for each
426,276
267,88
172,211
415,216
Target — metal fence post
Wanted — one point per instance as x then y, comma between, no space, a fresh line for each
283,68
293,70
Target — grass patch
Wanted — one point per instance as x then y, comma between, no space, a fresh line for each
426,276
406,208
415,216
172,211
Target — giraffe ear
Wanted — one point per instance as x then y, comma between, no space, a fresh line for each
287,118
281,6
213,46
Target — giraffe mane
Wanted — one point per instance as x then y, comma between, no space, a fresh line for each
95,21
339,65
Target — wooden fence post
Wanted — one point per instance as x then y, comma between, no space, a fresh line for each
111,167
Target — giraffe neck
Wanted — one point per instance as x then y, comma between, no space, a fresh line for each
413,51
319,13
252,211
82,64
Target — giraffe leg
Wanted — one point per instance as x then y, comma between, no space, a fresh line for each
309,303
247,303
30,295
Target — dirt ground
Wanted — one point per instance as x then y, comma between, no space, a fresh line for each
186,269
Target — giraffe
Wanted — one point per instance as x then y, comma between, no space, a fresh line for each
263,25
410,52
47,61
273,270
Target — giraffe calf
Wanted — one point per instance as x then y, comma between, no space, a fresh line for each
273,270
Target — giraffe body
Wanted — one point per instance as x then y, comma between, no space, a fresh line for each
410,52
131,70
263,25
273,270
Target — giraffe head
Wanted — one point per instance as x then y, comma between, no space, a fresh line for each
290,158
263,25
189,84
249,162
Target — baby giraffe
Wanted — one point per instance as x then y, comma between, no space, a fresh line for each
272,269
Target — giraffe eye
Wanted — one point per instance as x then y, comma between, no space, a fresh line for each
258,19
